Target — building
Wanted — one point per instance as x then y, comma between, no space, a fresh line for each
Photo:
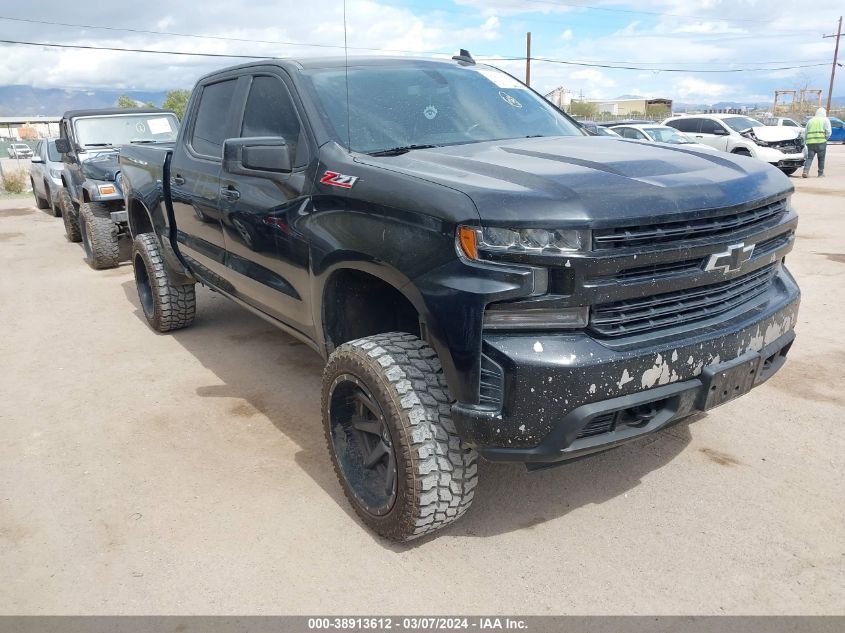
632,105
28,128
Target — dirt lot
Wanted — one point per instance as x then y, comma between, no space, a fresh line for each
187,474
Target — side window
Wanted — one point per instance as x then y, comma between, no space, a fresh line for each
709,126
690,125
836,124
270,112
212,116
38,148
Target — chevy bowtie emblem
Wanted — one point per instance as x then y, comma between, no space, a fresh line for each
731,260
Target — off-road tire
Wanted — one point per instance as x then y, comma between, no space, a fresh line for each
69,216
166,306
436,473
40,202
99,236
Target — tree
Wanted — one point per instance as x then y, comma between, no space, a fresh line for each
125,101
27,132
583,108
177,100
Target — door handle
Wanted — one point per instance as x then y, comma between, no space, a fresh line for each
177,180
698,136
230,193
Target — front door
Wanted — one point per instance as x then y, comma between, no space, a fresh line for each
266,252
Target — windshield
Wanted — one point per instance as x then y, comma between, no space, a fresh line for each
52,152
121,129
427,104
667,135
741,123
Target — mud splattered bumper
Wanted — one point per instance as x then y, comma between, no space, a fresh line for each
564,396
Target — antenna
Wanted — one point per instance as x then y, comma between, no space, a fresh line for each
464,58
346,70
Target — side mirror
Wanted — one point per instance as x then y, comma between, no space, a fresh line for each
62,146
36,159
265,156
720,131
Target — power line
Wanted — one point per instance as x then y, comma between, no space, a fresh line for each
337,46
490,58
130,50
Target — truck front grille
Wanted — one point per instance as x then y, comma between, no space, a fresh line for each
681,307
668,232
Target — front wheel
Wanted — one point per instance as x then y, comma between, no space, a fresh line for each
40,202
789,170
167,306
69,216
386,417
99,236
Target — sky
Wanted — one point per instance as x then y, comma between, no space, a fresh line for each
652,35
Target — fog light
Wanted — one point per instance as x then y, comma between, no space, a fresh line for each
524,318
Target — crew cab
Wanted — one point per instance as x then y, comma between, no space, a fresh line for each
483,279
90,196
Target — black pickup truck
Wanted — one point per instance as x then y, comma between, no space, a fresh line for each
91,199
481,276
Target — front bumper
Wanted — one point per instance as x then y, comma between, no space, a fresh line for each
780,159
564,396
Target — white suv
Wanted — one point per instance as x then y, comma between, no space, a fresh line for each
781,146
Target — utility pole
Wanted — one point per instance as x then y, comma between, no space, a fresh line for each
528,57
835,61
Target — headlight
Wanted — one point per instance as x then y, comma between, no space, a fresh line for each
481,243
750,135
56,173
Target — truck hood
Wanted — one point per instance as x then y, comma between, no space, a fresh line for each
589,181
100,165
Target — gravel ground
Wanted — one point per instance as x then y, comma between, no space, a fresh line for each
187,474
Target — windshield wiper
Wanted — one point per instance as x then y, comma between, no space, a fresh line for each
398,151
143,141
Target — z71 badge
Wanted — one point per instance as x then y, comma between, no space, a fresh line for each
335,179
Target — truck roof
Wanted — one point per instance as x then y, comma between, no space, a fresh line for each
70,114
307,63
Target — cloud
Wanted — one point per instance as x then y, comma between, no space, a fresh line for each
566,35
692,89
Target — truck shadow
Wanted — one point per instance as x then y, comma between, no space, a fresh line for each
275,375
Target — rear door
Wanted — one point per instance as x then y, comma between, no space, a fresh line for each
261,213
195,176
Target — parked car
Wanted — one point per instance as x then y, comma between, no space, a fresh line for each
781,146
91,197
595,129
45,175
482,278
655,133
780,120
19,150
837,130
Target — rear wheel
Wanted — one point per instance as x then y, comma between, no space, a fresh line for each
40,202
99,236
69,216
167,306
386,416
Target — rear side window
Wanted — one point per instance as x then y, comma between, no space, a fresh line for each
212,118
685,125
270,112
629,132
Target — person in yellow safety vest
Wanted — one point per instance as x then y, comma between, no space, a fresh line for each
816,134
